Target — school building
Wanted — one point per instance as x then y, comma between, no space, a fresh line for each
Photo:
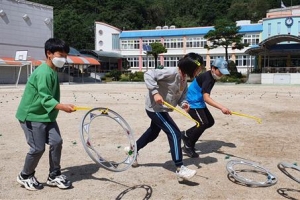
24,28
271,58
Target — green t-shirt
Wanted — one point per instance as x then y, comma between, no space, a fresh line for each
41,95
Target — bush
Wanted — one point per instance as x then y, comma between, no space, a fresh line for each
140,75
124,77
238,78
137,79
114,74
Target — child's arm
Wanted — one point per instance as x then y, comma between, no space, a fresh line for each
65,107
215,104
152,78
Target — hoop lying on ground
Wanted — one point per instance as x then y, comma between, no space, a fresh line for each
271,179
284,165
104,135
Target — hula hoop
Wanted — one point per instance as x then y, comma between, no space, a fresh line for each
146,187
93,148
271,178
284,165
286,192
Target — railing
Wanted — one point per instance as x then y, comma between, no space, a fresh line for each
281,70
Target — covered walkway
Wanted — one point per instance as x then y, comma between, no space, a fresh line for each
277,59
277,54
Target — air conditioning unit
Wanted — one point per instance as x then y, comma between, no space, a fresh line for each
165,27
158,28
172,27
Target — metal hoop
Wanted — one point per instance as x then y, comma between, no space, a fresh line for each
87,140
271,178
283,165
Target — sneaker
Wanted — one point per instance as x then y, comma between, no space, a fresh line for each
185,139
185,173
31,183
129,152
60,181
134,163
190,152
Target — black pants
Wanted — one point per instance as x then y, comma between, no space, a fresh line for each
205,119
163,121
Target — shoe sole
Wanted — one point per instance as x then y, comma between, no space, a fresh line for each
186,178
58,185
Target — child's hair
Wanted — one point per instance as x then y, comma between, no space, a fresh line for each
54,44
190,63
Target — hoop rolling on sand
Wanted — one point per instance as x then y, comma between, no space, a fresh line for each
105,135
254,170
283,166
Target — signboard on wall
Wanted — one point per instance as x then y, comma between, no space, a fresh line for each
21,55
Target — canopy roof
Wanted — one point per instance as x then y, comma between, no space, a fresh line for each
9,61
274,45
102,54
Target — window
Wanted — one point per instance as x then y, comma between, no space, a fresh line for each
130,44
278,27
299,28
133,61
171,61
115,41
243,60
149,62
196,42
251,39
269,29
173,43
149,41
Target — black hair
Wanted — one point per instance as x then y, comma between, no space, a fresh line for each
54,44
190,63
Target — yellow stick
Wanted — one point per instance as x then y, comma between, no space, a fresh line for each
181,112
82,108
249,116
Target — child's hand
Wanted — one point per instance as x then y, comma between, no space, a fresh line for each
158,98
226,111
186,107
65,107
69,108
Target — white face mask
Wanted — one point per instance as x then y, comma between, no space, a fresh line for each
215,76
58,62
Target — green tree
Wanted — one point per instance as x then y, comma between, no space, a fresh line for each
225,34
157,48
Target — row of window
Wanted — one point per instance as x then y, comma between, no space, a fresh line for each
171,61
178,43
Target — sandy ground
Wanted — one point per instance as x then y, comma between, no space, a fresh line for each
232,138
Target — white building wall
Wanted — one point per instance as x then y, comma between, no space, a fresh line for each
103,36
23,27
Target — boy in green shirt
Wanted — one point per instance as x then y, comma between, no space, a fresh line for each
37,115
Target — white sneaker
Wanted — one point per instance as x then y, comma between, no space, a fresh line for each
31,183
185,173
60,181
129,152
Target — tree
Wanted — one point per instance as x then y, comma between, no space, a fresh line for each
225,34
157,48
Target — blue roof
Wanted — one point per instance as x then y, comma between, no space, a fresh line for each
251,28
183,31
